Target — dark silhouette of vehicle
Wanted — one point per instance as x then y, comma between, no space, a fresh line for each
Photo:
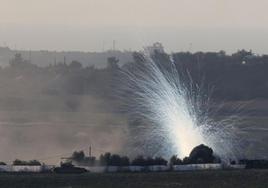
69,168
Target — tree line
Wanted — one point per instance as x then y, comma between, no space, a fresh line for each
199,155
239,76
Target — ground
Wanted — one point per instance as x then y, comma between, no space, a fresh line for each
207,179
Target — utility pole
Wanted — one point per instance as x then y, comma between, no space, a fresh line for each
89,151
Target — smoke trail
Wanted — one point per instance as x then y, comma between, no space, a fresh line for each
175,113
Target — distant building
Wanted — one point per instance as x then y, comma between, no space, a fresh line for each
156,47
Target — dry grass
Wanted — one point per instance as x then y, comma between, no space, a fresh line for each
207,179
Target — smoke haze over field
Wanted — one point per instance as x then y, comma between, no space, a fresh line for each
47,112
43,116
45,128
56,96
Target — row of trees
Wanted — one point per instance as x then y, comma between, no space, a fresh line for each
27,163
242,75
108,159
199,155
18,162
239,76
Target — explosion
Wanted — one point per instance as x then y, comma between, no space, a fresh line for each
178,111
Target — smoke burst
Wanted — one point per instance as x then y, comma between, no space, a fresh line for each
176,113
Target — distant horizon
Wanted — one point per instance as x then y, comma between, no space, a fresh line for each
124,50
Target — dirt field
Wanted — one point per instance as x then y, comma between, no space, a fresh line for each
206,179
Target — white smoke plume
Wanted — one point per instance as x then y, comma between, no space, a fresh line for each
176,114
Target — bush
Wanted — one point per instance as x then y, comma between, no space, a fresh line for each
125,161
18,162
160,161
78,156
113,160
105,159
186,160
201,154
2,163
141,161
174,160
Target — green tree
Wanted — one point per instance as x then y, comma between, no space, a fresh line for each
174,160
18,162
78,156
105,159
201,154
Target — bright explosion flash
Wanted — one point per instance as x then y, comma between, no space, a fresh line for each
179,113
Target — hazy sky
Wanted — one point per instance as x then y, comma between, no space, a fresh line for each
91,25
